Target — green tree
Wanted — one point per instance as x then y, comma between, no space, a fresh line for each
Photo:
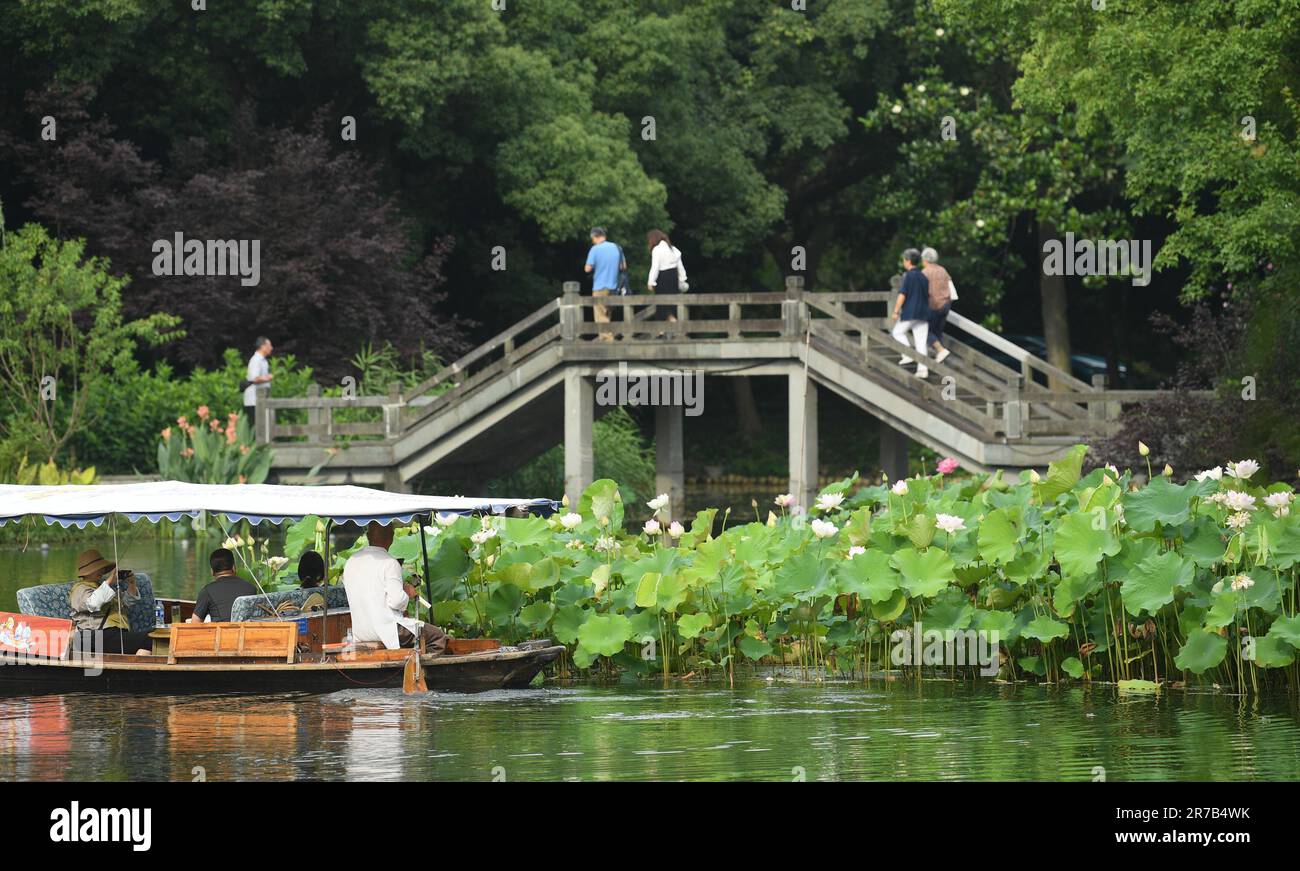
61,336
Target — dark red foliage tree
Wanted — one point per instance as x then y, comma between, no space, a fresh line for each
339,265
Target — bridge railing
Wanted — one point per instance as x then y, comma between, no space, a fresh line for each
978,390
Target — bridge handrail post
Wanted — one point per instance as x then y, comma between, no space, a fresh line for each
570,312
393,411
794,311
1013,409
265,423
1097,409
314,413
733,318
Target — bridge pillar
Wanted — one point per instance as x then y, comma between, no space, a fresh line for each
893,452
670,462
579,414
803,439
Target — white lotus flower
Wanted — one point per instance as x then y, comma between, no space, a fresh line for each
1238,521
432,530
484,535
823,528
1242,582
949,523
276,563
447,519
676,530
829,501
230,543
1238,500
652,527
570,520
606,543
856,550
659,503
785,500
1214,474
1243,469
899,488
1279,503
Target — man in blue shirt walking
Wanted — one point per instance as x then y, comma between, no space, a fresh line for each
912,308
604,261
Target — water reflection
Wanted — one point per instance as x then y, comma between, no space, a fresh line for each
769,730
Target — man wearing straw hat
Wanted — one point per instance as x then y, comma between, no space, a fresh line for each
98,605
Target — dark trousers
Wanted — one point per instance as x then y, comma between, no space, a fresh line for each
111,640
251,412
937,318
435,640
665,283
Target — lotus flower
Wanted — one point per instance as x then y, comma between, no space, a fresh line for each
676,530
447,519
652,527
1279,503
899,488
856,550
484,535
1238,500
570,520
949,523
829,501
1242,582
785,500
1144,450
947,466
1243,469
1239,521
659,503
1214,474
432,530
823,528
276,563
231,543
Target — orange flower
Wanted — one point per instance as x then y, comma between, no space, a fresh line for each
187,453
231,435
203,412
243,449
183,421
214,424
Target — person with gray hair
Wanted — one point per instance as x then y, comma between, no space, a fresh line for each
942,292
912,308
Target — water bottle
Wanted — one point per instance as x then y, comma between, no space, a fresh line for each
349,643
159,616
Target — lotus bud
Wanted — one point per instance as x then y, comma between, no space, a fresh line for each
1168,471
1143,449
1034,477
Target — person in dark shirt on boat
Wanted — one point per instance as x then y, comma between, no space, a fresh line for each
218,597
99,600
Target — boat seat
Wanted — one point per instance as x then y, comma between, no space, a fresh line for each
259,605
51,600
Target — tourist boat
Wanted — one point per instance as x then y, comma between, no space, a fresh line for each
270,652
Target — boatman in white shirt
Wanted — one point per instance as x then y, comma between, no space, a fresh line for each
378,597
259,372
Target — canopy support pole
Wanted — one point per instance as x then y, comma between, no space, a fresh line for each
428,579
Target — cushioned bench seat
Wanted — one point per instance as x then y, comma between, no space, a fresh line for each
51,600
260,605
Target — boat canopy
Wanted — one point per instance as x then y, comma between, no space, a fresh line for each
78,505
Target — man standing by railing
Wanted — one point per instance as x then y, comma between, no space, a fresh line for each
259,372
604,261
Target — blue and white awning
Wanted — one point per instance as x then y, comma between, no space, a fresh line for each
78,505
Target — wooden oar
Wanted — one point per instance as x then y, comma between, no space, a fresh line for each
413,671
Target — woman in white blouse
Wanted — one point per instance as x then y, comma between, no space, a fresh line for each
667,272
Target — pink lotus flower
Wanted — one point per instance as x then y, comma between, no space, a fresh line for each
948,465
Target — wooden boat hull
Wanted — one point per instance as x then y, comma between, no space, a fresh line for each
470,673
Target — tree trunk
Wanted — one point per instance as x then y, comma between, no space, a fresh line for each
748,421
1056,314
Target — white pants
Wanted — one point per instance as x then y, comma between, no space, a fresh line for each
920,331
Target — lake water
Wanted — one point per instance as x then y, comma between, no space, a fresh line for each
771,727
